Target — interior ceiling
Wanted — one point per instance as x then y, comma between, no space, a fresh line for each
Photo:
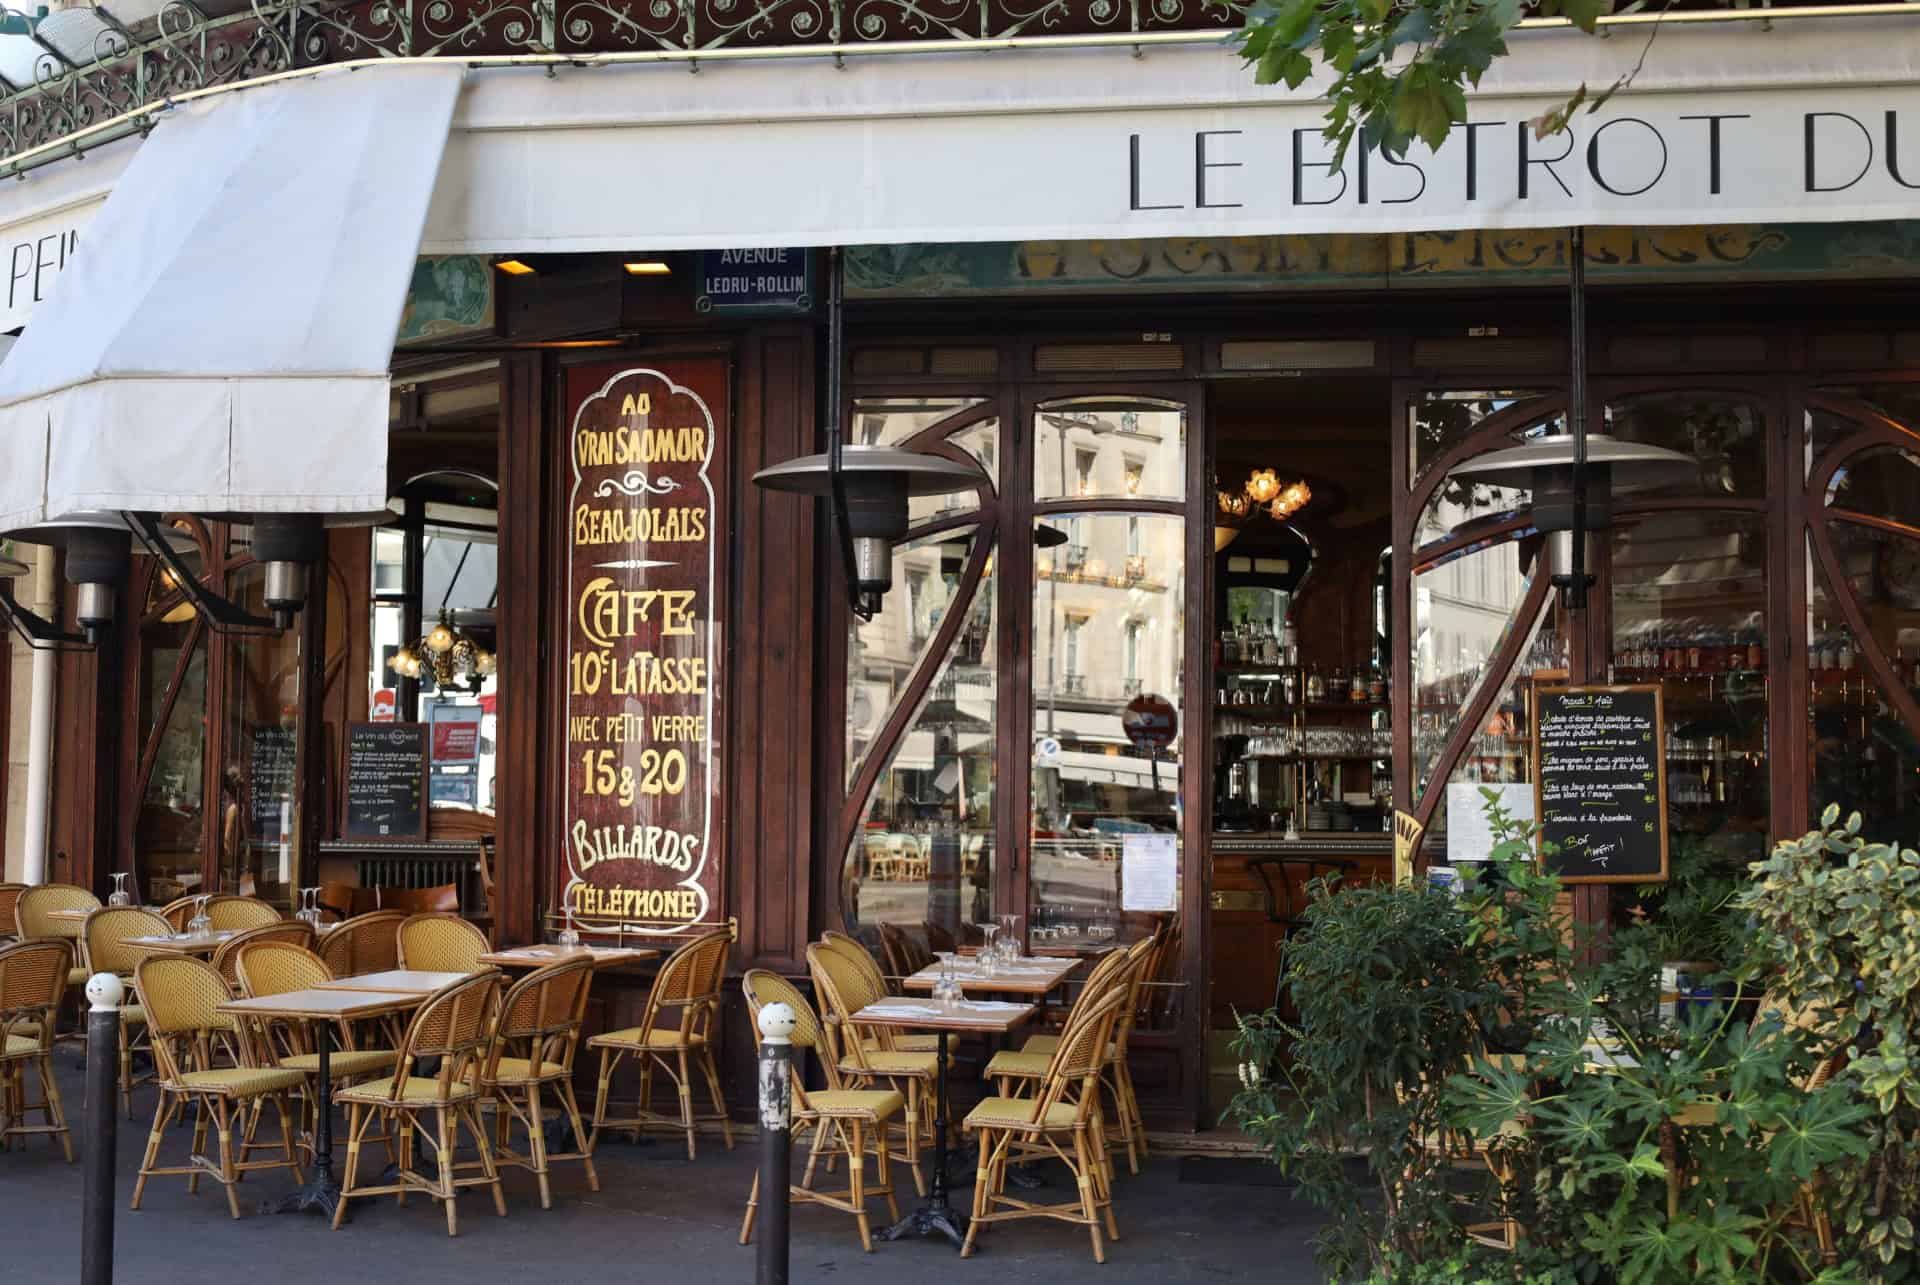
1334,432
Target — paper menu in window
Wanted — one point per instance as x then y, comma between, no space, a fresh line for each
1468,837
1150,872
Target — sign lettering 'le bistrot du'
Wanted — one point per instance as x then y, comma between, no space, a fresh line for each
644,594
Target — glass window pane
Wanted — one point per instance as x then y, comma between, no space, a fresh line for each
923,856
458,571
259,805
1499,751
894,421
883,653
1463,610
1100,639
1110,448
168,834
1439,421
1690,613
1727,438
1882,483
1865,758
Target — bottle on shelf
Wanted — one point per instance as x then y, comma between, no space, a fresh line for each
1316,685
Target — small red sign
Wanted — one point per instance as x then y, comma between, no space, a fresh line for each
456,740
382,709
1150,721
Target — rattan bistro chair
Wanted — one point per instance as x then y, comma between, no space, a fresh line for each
368,943
867,1056
108,951
690,982
271,967
844,1121
862,958
531,1053
453,1026
33,979
31,913
226,959
1127,1125
1061,1122
181,996
9,898
236,914
438,943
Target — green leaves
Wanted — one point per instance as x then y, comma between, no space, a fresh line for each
1399,69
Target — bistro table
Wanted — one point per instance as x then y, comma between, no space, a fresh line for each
399,981
972,1016
183,944
321,1009
541,956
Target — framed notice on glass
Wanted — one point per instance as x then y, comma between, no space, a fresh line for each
1600,782
645,599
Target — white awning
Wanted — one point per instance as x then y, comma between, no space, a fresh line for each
223,343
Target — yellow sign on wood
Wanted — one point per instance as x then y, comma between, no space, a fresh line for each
1406,837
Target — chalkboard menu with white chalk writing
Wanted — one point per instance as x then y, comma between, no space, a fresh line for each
1600,782
270,765
386,781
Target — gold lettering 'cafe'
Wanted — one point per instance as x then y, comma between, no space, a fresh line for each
1224,599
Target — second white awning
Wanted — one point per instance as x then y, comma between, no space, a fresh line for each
223,343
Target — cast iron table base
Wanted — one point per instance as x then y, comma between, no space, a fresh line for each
321,1194
936,1215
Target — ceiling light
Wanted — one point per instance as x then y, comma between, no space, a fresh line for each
648,268
514,267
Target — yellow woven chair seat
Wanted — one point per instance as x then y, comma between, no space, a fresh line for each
1022,1065
239,1081
20,1046
898,1063
78,976
132,1015
1001,1113
1046,1044
519,1070
356,1062
414,1093
656,1039
878,1103
906,1043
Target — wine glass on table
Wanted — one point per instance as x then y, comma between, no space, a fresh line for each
119,897
201,924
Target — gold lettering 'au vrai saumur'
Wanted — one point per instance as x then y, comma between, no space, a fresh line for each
606,447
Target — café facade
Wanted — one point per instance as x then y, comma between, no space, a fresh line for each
1214,603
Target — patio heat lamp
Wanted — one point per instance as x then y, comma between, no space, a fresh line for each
285,545
866,487
1574,476
98,545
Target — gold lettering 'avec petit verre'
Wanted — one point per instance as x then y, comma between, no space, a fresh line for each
643,592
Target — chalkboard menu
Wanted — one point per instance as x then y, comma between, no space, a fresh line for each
1600,782
386,781
270,762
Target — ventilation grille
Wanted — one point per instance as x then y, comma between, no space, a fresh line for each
1297,354
889,361
1491,353
1866,349
966,361
1655,351
1065,359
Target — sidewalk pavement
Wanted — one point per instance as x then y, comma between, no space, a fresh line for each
657,1218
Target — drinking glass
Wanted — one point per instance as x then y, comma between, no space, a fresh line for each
119,895
1010,937
569,935
988,931
201,923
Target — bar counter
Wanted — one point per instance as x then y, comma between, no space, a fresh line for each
1248,920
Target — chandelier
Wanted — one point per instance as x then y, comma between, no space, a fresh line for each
452,657
1263,493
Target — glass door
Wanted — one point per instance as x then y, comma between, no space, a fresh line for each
1105,702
